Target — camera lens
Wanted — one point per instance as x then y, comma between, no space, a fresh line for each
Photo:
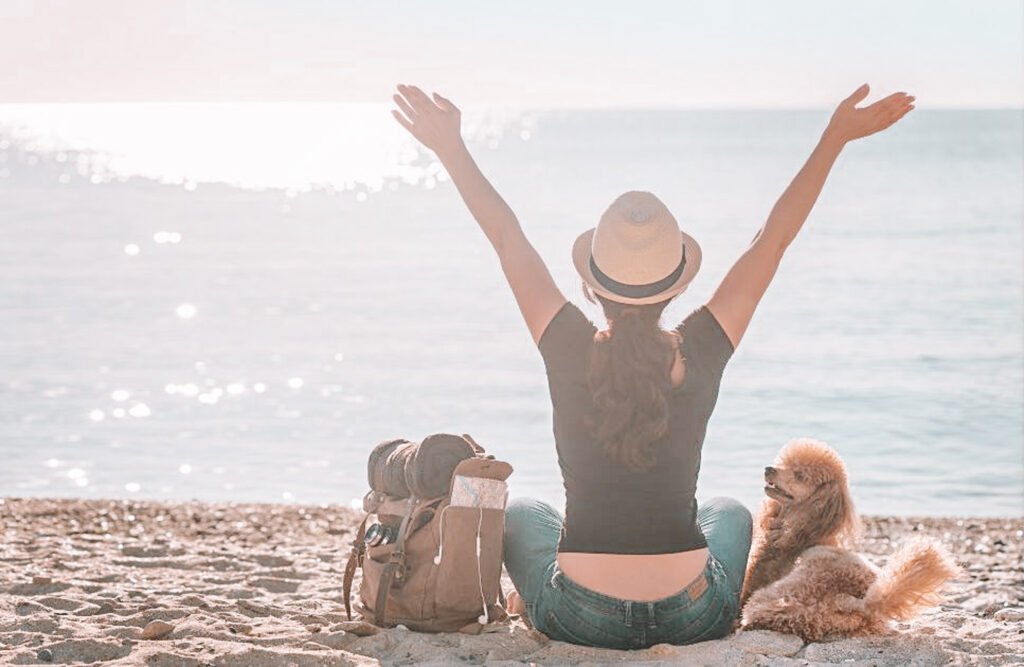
378,534
374,535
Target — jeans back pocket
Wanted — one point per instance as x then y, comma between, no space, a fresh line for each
570,615
711,616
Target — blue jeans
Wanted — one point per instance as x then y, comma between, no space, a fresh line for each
566,610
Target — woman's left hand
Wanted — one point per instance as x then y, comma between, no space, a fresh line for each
849,122
436,122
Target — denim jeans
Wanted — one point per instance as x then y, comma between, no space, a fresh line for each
565,610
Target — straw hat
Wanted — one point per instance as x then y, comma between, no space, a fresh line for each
637,254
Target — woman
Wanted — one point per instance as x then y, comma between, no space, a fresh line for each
635,561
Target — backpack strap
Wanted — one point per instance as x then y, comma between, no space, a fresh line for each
355,558
394,564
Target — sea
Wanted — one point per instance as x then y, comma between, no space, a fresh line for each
236,302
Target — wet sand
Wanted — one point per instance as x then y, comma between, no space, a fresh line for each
192,584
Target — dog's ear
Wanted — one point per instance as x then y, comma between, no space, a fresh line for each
850,527
827,515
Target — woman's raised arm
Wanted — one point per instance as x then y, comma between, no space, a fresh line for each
436,123
736,298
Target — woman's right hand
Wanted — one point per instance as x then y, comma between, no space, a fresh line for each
849,123
434,122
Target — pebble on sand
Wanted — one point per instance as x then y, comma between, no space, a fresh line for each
157,630
1011,614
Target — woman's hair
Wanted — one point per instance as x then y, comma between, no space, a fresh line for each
630,382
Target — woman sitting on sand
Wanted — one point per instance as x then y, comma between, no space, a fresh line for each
635,561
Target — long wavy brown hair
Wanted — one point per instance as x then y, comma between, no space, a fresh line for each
630,381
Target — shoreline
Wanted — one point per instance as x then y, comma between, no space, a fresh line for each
260,584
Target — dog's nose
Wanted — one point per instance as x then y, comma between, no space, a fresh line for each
769,471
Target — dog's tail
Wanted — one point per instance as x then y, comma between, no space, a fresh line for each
911,580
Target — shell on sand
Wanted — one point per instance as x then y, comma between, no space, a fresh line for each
128,583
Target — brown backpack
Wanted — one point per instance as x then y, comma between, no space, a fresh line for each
440,571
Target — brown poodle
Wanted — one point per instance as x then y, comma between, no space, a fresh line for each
803,578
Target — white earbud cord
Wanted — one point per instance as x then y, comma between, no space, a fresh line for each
440,539
484,619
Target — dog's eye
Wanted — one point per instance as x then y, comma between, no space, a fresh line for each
798,476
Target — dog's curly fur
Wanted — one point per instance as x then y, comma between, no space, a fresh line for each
803,576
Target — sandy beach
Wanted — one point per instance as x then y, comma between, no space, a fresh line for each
191,584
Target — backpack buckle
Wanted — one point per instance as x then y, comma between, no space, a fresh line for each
398,558
372,500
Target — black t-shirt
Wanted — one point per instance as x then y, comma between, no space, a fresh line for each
610,508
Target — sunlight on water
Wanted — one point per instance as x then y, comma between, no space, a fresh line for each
293,146
167,237
267,339
186,311
140,410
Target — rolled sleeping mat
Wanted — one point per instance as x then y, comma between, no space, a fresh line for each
428,474
386,467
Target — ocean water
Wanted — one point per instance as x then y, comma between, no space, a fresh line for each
238,301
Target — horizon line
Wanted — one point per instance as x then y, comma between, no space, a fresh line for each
482,105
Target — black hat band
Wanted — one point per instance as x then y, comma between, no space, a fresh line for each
637,291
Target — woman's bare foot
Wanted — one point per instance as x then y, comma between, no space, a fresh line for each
513,603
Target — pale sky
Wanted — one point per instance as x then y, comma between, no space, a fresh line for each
539,53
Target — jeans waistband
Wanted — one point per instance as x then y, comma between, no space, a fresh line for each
692,592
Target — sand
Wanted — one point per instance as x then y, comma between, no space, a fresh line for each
191,584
